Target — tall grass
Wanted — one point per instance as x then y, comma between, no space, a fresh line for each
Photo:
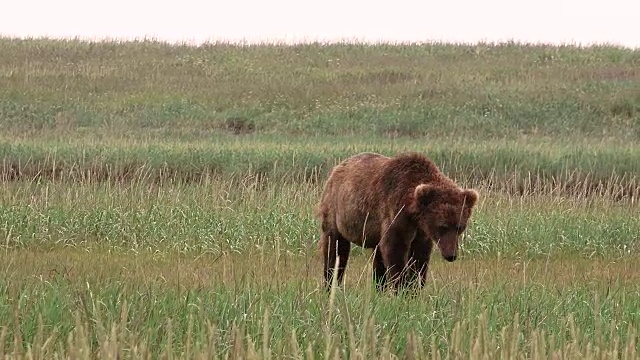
231,268
188,309
238,215
513,167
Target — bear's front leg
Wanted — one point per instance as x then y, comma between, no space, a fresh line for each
379,270
419,256
395,250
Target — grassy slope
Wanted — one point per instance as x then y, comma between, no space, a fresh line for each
493,112
474,91
557,271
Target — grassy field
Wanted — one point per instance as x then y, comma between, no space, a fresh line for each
158,201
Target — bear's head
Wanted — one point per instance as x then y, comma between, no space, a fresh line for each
442,213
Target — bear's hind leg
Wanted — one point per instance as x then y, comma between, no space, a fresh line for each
334,248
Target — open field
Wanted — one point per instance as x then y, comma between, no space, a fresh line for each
158,201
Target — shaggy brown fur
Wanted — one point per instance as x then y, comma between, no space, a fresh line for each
398,206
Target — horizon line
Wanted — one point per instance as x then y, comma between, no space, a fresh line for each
309,40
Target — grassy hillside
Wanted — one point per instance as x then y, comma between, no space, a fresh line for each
479,92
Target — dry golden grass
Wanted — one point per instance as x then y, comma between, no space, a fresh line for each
227,268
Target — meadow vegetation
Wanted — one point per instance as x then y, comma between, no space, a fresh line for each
158,200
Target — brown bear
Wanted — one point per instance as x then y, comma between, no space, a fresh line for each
399,206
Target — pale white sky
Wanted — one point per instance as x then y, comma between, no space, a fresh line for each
550,21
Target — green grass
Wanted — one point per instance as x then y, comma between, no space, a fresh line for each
143,302
530,165
158,201
227,215
479,91
225,253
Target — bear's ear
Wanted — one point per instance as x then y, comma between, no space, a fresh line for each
470,197
425,194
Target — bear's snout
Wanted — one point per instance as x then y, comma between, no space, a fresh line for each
450,258
449,247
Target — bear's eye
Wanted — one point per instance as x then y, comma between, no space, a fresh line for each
460,228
